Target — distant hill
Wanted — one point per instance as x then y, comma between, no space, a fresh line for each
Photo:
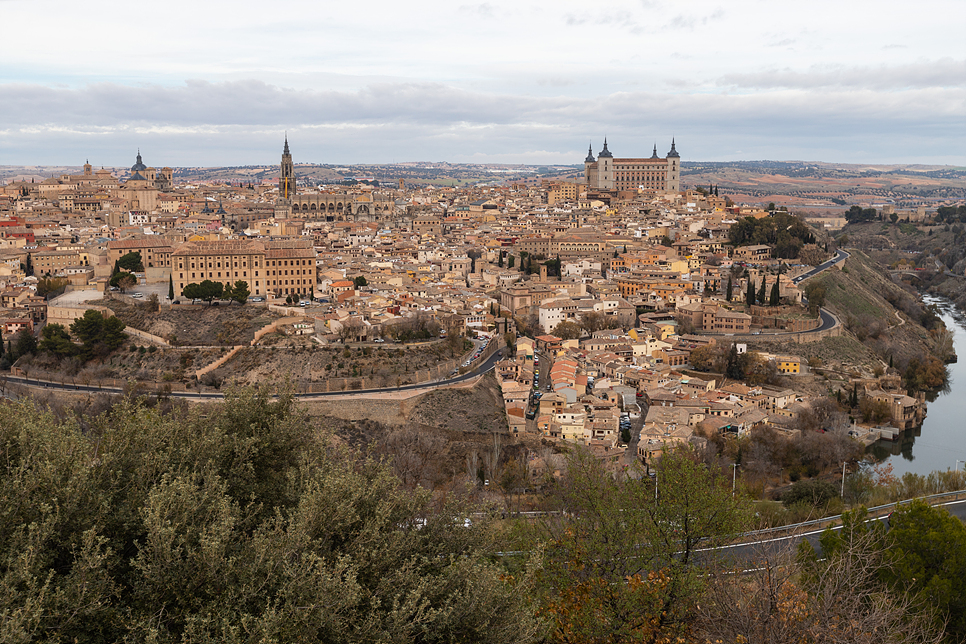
828,186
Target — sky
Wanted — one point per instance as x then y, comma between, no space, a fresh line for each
221,83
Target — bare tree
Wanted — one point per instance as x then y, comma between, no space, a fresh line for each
472,466
491,459
840,599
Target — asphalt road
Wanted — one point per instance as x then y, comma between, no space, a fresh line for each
758,550
486,366
840,255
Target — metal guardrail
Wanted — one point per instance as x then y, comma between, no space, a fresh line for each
874,513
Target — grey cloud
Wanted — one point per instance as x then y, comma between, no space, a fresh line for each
692,21
484,9
945,72
620,19
241,121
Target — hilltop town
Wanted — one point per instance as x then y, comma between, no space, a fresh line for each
618,309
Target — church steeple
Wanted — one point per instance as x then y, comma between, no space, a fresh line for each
654,153
286,179
590,154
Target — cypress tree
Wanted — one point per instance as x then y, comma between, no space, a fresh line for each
762,291
733,370
775,295
500,260
170,287
750,295
728,292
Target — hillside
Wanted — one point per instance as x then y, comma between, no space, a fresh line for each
883,319
929,258
884,315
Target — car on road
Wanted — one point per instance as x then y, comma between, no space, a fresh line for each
137,296
257,299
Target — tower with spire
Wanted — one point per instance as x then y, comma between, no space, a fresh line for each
605,169
673,169
286,178
286,183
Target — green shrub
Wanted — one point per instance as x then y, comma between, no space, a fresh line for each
812,492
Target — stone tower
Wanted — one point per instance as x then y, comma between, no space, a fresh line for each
605,169
673,169
286,179
286,185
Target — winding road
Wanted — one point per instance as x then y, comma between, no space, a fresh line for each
484,367
840,256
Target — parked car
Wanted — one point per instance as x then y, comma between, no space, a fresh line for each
257,299
137,296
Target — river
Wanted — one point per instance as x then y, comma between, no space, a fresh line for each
939,443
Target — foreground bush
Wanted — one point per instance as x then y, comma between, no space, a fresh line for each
232,523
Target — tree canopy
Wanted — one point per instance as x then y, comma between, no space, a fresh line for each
123,280
207,291
131,262
233,523
99,335
568,330
239,292
857,214
593,590
786,233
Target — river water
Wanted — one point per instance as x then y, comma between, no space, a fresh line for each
941,441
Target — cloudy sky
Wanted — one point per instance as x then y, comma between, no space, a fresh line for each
218,83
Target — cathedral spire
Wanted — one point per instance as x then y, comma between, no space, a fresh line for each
285,151
590,153
605,152
673,152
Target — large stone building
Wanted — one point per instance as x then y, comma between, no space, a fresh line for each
285,267
605,173
361,205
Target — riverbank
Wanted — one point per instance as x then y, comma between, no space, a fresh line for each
936,444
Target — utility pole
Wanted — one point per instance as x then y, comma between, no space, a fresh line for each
734,477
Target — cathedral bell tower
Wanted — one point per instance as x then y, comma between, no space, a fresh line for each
286,184
286,180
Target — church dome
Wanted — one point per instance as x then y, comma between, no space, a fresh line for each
139,166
